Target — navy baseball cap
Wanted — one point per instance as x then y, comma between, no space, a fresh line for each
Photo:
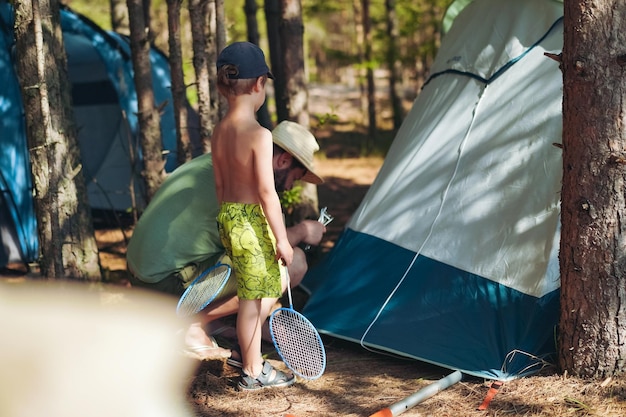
247,57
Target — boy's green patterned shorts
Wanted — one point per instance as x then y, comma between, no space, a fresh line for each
251,246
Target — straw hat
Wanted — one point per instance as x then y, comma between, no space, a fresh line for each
301,144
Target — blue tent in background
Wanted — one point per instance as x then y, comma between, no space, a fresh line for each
105,107
452,256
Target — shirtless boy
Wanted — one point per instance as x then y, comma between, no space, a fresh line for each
250,220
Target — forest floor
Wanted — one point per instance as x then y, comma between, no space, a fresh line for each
357,382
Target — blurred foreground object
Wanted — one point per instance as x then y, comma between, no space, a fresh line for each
71,349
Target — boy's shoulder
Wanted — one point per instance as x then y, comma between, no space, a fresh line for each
245,134
248,129
260,134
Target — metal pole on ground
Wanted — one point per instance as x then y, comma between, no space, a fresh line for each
412,400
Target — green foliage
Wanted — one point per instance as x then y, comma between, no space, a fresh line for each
291,198
312,8
327,119
452,12
342,57
236,20
577,404
333,28
97,10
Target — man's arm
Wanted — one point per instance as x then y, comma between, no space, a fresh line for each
308,231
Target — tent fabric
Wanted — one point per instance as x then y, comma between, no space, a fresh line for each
452,256
18,218
105,114
105,103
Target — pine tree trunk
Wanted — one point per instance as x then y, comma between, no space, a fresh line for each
369,74
250,9
220,43
179,92
273,20
66,237
360,54
592,253
291,32
201,38
393,64
148,116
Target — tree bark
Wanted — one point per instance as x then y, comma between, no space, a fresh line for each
393,64
292,50
179,91
593,237
295,94
66,237
250,9
220,43
369,74
201,40
360,54
148,116
273,20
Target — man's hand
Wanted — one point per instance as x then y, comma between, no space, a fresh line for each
310,232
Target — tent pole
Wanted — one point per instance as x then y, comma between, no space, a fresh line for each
412,400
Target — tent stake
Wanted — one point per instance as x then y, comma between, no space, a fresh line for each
412,400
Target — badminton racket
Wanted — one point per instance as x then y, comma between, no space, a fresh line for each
297,341
203,290
324,218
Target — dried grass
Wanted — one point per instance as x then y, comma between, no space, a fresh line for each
359,383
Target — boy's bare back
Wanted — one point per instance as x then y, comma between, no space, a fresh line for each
242,160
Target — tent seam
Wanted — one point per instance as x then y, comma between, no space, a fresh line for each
434,222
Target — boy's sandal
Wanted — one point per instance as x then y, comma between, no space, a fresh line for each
269,377
235,358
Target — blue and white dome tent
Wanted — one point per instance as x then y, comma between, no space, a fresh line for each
452,256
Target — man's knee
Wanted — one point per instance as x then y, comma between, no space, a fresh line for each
298,267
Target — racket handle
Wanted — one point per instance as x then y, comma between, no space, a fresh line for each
324,219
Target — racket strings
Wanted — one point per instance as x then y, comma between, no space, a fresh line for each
298,343
203,291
